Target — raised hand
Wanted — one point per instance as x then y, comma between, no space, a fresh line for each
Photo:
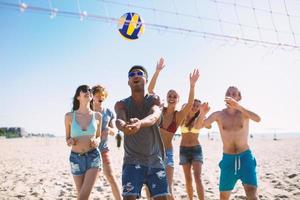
160,64
194,77
232,103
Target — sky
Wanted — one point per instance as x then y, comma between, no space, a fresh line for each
43,60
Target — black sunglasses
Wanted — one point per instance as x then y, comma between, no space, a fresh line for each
85,90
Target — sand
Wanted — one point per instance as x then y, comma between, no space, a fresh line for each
38,168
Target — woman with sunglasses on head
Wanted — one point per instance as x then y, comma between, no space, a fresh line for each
83,128
108,128
190,148
171,118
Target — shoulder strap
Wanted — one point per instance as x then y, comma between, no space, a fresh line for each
74,116
94,115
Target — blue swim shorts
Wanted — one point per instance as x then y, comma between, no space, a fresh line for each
237,166
135,176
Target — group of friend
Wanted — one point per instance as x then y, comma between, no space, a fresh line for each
148,129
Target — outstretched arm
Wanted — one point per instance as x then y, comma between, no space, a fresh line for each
184,111
67,126
68,121
69,140
122,120
154,114
232,103
212,118
160,65
150,120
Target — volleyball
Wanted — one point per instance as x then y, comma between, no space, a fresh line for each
131,26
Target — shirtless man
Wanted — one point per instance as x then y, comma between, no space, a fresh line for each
238,161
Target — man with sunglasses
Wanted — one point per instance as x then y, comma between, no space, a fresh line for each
137,118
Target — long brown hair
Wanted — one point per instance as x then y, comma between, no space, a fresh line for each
76,102
190,123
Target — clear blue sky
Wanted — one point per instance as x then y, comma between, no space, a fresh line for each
43,60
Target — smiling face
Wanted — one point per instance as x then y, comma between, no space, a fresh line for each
172,97
234,93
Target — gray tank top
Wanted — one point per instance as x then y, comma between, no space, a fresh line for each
146,146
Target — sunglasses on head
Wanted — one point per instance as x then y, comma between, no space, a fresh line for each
85,90
135,73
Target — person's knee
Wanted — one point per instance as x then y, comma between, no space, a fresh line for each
83,195
252,196
224,195
198,180
107,172
170,197
160,198
188,182
129,198
251,193
188,178
109,177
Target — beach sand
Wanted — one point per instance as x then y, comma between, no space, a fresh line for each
38,168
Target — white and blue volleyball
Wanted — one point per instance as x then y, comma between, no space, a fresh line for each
131,26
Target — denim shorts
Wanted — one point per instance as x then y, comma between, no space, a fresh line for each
80,163
169,160
189,154
135,176
237,166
